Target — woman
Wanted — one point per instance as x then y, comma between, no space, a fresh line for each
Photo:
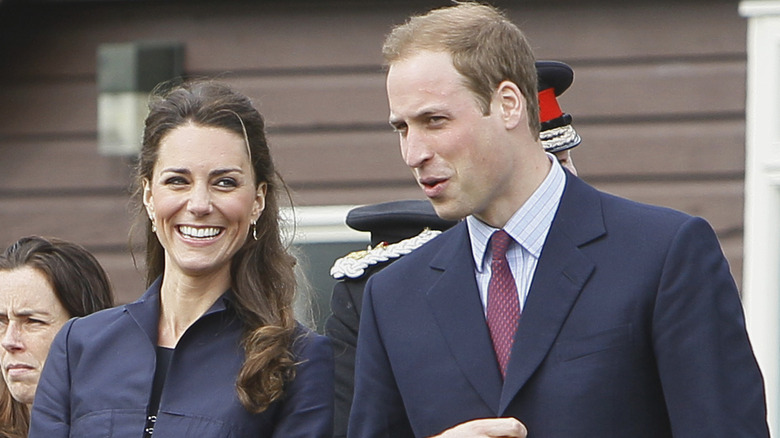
43,283
212,348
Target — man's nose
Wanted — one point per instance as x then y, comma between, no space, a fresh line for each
415,149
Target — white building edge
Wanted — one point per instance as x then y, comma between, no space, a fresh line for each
761,277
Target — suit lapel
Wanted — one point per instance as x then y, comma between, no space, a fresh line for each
561,273
455,303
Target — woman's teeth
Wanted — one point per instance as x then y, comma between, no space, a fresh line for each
198,232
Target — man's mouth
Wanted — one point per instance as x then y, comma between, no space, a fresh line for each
431,182
433,187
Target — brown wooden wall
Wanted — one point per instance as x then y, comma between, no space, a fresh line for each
659,99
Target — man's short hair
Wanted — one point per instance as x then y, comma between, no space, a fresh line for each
486,48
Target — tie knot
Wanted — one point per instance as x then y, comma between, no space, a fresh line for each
500,241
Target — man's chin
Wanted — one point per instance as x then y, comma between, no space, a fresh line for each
446,211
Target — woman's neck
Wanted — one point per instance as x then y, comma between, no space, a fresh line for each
184,299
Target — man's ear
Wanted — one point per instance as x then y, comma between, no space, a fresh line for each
511,104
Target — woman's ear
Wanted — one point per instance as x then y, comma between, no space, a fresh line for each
511,104
259,206
147,199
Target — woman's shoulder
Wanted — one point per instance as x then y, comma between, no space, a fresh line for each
110,314
95,323
307,343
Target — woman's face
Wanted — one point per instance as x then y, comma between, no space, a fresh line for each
30,316
202,199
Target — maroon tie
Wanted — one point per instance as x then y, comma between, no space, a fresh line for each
503,309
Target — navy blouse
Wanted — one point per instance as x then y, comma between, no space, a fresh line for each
97,381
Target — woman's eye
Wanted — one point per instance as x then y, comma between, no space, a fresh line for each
227,183
175,180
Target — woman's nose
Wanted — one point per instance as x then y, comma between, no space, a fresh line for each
200,200
12,338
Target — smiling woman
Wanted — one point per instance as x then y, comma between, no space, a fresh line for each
43,283
212,348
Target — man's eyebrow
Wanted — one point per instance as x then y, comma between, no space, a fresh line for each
420,114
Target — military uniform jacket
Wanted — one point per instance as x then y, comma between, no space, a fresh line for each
98,379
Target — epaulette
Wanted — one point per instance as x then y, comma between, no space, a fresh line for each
354,264
559,138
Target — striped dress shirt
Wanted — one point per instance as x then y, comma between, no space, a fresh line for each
528,226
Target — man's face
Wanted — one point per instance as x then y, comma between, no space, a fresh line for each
460,157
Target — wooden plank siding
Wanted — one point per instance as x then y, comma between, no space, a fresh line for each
659,99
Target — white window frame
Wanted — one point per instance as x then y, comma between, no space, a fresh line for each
761,271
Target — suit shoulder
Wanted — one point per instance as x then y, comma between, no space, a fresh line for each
643,213
649,223
580,196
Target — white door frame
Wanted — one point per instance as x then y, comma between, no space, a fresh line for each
761,271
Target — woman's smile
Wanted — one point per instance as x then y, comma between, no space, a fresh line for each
195,232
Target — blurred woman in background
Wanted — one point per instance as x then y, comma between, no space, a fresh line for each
43,283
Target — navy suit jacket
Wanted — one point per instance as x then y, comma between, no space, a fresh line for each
633,327
97,381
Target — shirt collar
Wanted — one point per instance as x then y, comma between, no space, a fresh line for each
529,225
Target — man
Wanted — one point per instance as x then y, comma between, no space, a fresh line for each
604,317
398,227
